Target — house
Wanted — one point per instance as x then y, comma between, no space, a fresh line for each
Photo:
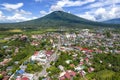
72,65
61,67
40,56
23,67
9,68
16,50
34,43
82,73
24,76
81,63
27,76
49,53
90,69
79,68
20,72
87,59
5,77
18,78
68,61
67,75
5,61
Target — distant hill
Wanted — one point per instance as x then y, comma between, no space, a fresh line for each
113,21
56,19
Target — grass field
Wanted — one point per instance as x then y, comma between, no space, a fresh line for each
104,74
3,41
40,31
15,30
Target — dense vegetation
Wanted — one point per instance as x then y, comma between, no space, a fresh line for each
108,69
113,21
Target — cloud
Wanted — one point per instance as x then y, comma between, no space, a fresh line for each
38,0
1,13
10,7
56,8
43,13
87,16
23,12
102,3
18,16
67,3
102,13
2,16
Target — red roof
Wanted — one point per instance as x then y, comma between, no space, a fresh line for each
85,49
62,78
90,50
25,78
6,77
36,52
68,75
49,52
72,65
72,73
87,59
81,63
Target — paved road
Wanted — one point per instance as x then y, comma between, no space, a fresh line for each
53,57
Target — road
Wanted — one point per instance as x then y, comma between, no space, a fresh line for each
53,57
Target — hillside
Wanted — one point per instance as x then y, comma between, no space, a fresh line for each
113,21
56,19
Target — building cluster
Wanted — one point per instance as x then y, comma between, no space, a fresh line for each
81,45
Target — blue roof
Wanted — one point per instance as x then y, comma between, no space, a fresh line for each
44,79
20,71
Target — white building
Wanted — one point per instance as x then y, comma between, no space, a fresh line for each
39,56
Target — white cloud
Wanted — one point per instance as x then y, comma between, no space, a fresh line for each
87,16
77,3
38,0
10,7
102,3
101,14
43,13
67,3
18,14
1,16
56,8
1,13
23,12
18,18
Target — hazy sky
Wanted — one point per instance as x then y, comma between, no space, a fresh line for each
22,10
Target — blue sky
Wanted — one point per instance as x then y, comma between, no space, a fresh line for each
23,10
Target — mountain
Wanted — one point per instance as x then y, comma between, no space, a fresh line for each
113,21
56,19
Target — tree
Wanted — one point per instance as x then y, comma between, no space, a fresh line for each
1,76
53,70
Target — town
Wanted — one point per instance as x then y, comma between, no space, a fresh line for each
61,55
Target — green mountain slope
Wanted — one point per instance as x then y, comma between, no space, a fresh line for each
57,19
113,21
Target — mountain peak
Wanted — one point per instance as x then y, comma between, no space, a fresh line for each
58,12
57,19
